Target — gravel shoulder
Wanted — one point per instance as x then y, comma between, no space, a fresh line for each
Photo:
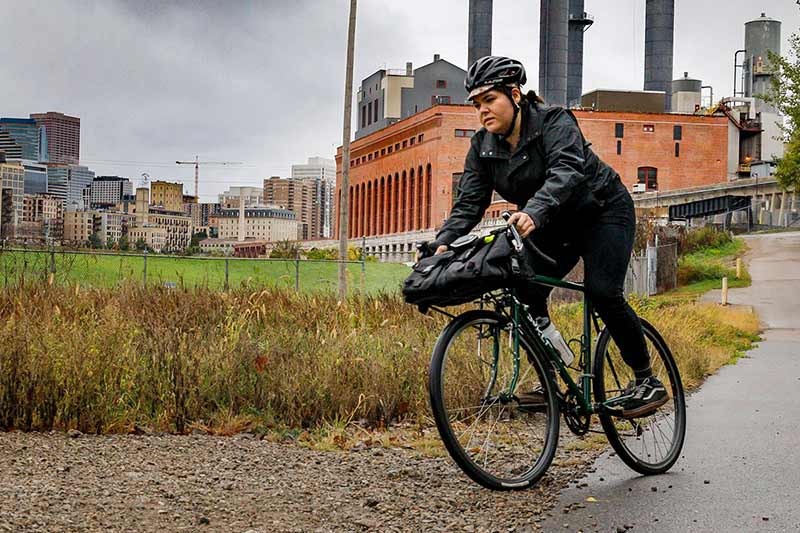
59,482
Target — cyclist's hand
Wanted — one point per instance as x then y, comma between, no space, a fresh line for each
523,222
441,249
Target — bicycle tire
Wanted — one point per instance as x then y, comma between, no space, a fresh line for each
670,376
436,387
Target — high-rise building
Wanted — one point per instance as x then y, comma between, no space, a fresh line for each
107,191
323,171
35,177
301,197
63,136
68,183
168,195
23,138
253,196
201,213
12,176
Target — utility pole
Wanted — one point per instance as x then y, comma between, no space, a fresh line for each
345,185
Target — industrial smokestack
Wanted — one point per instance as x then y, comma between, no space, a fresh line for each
659,33
579,22
480,30
242,224
553,49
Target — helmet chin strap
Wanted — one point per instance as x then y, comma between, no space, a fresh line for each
507,91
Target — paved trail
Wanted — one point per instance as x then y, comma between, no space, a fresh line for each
740,469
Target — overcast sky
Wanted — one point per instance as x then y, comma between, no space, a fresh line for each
262,82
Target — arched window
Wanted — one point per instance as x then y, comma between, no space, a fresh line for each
382,223
649,176
428,184
404,202
412,201
398,199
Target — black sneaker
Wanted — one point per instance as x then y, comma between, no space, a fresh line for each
639,400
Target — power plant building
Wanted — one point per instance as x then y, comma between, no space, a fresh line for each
391,95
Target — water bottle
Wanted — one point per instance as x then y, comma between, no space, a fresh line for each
550,333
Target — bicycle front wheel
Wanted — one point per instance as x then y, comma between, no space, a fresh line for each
651,444
497,440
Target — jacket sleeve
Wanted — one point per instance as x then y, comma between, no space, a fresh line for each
564,162
474,197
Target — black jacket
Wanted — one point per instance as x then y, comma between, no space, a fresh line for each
552,175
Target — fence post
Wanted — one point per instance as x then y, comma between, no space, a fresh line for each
297,272
144,274
226,273
725,291
52,262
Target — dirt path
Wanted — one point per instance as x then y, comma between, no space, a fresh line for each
55,482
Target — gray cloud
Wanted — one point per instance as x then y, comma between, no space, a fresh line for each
262,81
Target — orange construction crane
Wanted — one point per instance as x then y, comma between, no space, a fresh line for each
197,164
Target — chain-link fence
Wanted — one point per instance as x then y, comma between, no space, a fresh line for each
108,269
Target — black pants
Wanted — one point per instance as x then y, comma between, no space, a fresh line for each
604,241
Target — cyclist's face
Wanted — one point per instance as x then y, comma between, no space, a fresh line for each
495,111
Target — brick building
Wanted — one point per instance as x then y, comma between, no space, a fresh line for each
403,178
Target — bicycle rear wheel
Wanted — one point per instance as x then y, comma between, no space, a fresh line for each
651,444
494,440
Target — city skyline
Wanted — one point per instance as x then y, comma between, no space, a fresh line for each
151,92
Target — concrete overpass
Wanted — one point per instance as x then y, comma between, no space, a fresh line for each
771,205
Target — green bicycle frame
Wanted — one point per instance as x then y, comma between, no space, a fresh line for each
582,392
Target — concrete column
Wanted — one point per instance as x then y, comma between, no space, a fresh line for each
782,210
242,223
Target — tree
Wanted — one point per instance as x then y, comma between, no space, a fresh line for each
110,243
123,243
285,250
94,241
784,94
140,244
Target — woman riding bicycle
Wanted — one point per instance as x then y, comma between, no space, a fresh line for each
571,205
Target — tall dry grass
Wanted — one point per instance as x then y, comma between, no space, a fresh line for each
103,360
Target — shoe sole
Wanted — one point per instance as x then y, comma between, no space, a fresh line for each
644,410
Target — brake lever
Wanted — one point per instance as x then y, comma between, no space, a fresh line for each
518,242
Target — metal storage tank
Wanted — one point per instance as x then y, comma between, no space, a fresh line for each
579,22
686,94
659,34
760,36
553,47
480,30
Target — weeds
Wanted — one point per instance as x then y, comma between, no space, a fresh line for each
114,360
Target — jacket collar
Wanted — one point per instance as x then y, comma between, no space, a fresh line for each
494,146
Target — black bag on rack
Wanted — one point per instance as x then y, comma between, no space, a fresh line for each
472,266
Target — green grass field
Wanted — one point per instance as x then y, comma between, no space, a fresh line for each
101,270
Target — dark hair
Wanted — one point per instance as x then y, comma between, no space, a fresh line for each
531,96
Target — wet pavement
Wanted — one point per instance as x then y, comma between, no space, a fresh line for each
740,467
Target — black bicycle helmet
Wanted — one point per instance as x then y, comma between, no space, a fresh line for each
493,71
